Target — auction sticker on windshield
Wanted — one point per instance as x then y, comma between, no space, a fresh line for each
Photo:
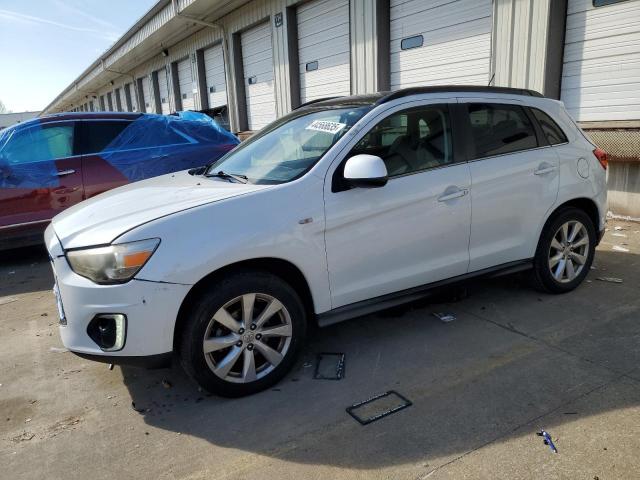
325,126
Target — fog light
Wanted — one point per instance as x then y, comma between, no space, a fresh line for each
109,331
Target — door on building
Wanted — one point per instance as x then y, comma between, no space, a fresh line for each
507,161
40,175
420,219
119,102
257,63
163,89
215,76
437,43
324,49
131,95
146,93
185,83
110,101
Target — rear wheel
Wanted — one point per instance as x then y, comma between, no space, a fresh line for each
565,251
243,335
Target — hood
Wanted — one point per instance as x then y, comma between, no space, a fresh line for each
103,218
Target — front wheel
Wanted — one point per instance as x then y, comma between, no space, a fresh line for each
565,251
243,334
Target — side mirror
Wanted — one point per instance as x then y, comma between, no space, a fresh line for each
365,171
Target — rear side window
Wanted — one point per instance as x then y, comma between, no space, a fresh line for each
497,129
99,135
551,130
39,143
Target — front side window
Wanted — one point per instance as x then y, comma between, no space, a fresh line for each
289,147
498,129
38,143
411,140
551,130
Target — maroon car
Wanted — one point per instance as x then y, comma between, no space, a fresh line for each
50,163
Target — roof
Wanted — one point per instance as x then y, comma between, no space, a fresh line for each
383,97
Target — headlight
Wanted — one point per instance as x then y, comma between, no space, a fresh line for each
112,264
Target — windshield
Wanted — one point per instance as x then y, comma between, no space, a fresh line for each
289,147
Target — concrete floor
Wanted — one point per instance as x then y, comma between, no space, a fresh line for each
513,361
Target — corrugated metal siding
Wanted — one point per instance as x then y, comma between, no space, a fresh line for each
364,47
520,43
216,81
185,82
146,95
457,42
324,41
257,62
601,72
163,88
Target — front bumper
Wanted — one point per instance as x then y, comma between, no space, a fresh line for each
151,309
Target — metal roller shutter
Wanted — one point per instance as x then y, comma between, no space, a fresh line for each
440,42
601,70
324,49
119,100
215,76
185,82
109,102
163,88
257,62
132,97
146,94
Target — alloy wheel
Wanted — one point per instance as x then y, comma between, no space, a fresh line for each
247,338
568,251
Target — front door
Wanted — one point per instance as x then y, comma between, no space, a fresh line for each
410,232
40,175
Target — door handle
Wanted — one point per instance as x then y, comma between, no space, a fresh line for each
64,173
461,192
544,169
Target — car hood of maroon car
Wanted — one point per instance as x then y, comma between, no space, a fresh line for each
103,218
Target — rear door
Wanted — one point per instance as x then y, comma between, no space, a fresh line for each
514,181
40,174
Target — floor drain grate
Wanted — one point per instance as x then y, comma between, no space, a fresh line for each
378,407
329,366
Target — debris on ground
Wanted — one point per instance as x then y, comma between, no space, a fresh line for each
618,248
307,365
444,317
58,350
610,279
23,437
166,384
329,366
377,407
7,300
618,228
44,314
111,366
622,235
547,440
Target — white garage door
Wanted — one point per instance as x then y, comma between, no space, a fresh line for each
163,89
185,81
146,95
257,62
601,71
214,75
440,42
324,49
120,103
131,92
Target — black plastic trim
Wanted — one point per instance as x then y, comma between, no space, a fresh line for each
160,360
383,302
405,92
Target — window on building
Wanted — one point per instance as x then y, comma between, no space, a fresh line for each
412,42
551,129
411,140
602,3
499,128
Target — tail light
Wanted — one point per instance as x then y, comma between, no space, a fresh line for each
602,157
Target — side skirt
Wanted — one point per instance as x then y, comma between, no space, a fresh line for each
383,302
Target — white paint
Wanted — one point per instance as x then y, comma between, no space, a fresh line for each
257,62
215,76
601,72
163,89
185,82
457,42
323,37
146,95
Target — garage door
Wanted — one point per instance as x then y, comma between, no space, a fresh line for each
146,94
440,42
257,62
185,82
215,76
119,100
601,71
163,89
130,95
324,49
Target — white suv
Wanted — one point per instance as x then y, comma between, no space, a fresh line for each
341,208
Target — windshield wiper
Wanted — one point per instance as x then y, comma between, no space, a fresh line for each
228,176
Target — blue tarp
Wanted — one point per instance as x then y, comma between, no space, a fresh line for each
149,146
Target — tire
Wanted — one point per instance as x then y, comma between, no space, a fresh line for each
549,274
218,315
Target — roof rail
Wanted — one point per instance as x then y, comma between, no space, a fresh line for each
310,102
405,92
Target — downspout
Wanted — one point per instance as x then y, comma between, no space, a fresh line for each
225,44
